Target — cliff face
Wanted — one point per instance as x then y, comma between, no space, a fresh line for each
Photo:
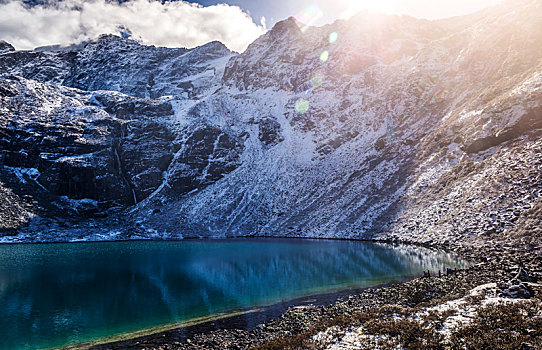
81,156
377,127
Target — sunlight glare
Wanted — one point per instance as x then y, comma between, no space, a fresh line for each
351,7
429,9
308,16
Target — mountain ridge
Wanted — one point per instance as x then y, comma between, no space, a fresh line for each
380,127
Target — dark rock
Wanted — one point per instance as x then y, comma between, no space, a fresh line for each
270,132
208,155
5,47
516,289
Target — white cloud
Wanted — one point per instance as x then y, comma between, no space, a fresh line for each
173,24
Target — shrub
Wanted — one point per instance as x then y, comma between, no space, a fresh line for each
409,334
502,326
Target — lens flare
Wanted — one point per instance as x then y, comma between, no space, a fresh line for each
333,37
324,56
317,79
308,17
432,89
301,106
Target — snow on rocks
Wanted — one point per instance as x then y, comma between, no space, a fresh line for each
400,133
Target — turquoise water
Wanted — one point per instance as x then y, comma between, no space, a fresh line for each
66,293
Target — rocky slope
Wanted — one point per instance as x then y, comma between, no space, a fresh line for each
381,127
72,156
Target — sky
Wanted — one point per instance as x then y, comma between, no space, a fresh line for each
277,10
27,24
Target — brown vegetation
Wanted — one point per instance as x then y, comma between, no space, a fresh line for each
498,326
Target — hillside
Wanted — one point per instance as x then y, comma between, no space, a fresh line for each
379,127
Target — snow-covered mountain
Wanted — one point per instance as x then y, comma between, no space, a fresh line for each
385,127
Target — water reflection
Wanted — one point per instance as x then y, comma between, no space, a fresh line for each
54,294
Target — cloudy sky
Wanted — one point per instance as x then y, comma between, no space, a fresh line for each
27,24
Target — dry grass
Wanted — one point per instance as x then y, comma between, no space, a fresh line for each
501,326
409,334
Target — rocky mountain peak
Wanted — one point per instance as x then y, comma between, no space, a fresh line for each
289,25
111,42
108,38
5,47
213,49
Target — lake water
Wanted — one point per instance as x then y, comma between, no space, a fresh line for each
58,294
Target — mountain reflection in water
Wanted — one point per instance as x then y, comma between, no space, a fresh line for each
58,294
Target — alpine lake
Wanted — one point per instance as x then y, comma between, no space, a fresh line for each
60,294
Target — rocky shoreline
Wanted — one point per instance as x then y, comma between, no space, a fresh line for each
437,307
